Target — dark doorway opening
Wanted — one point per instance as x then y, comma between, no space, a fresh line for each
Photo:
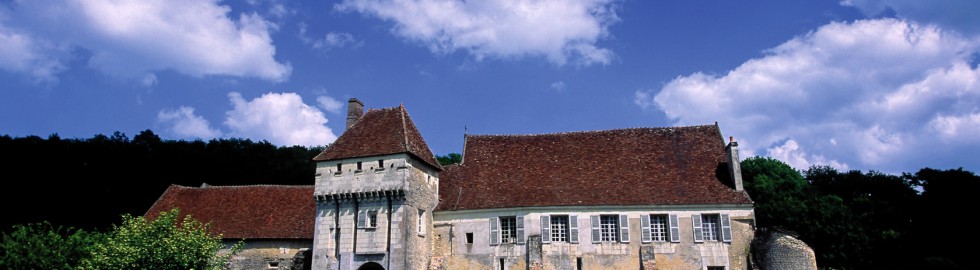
371,266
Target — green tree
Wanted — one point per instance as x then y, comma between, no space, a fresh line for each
451,158
44,246
167,242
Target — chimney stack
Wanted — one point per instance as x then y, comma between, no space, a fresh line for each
734,167
355,109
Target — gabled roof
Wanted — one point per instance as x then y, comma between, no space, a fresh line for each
380,132
253,212
642,166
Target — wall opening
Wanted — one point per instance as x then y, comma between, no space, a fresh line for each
371,266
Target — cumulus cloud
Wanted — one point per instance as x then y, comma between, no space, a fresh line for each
330,104
184,123
133,38
281,118
949,14
19,53
561,31
883,94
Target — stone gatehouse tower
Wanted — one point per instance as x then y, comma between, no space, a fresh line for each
376,188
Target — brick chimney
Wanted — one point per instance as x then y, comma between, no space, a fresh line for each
734,167
355,109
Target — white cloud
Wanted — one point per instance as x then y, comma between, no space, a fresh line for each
281,118
330,40
20,53
950,14
133,38
330,104
558,86
882,94
183,123
561,31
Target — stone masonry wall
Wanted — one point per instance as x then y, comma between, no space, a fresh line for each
272,254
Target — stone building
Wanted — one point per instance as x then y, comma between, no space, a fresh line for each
275,221
640,198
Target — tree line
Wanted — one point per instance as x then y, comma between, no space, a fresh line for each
868,220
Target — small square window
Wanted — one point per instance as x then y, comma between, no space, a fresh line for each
469,238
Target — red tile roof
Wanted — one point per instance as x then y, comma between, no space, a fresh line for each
380,132
642,166
253,212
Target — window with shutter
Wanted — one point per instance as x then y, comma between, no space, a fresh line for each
675,231
624,223
645,233
573,229
520,230
508,230
726,228
698,232
545,229
596,234
494,232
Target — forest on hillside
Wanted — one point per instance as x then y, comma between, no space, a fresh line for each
852,219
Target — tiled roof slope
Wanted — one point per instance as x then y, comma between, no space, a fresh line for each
380,132
253,212
642,166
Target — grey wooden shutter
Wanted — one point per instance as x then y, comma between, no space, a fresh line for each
545,229
675,230
624,229
494,232
573,229
698,232
520,229
645,234
596,236
726,228
361,218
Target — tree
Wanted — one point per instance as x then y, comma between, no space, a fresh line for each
167,242
451,158
44,246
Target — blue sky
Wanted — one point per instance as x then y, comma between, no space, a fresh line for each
889,85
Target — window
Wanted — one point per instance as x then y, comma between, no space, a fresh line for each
367,219
578,263
610,228
421,222
372,219
712,227
469,238
559,228
381,165
508,230
609,225
502,265
338,172
709,223
716,268
658,228
273,265
358,167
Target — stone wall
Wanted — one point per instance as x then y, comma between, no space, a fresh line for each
454,253
272,254
777,249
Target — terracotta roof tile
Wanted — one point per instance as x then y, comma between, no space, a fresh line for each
642,166
263,212
380,132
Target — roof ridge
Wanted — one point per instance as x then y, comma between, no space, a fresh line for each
402,112
591,131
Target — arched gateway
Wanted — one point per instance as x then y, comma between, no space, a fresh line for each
371,266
